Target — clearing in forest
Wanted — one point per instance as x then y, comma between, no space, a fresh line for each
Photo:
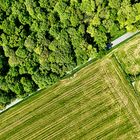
97,103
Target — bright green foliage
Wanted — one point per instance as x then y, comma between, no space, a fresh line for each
88,7
4,99
40,41
21,52
28,85
115,4
29,43
4,4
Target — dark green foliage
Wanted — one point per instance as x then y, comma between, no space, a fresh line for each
5,98
28,85
5,4
40,41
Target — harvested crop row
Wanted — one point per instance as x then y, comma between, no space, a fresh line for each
98,103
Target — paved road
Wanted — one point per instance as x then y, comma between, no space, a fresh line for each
123,38
11,104
115,42
15,102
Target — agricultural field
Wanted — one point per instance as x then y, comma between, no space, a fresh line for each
98,102
129,58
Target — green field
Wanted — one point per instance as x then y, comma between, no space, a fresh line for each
98,102
129,58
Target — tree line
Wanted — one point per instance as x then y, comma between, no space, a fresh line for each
41,40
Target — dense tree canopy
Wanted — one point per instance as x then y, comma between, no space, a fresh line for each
41,40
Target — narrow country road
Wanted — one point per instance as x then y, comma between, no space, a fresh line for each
115,42
123,38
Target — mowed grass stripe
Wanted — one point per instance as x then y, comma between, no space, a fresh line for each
122,127
128,136
132,103
87,71
70,119
41,109
93,104
100,131
33,102
48,114
121,124
102,120
49,109
121,102
121,92
117,87
58,92
119,109
119,131
30,135
6,116
77,82
45,102
134,99
82,121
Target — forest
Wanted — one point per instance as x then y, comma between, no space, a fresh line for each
41,40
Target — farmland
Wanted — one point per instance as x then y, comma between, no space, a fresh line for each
129,58
98,102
